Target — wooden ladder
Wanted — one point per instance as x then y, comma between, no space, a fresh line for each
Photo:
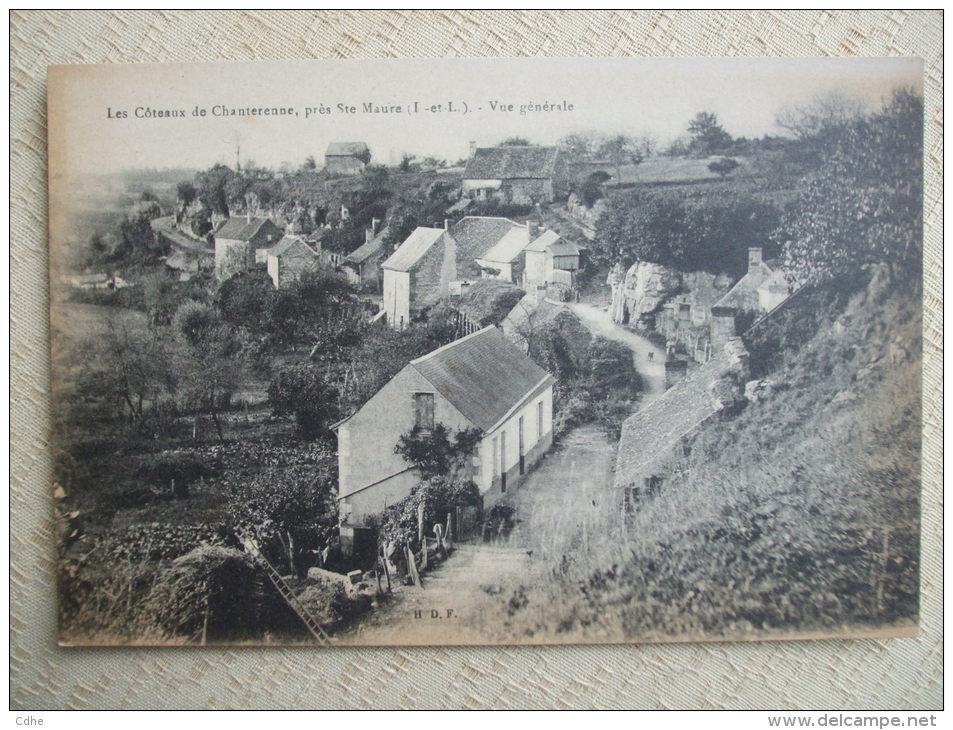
251,547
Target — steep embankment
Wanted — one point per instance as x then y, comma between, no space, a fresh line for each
800,512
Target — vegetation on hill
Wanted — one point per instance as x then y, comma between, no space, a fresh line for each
798,513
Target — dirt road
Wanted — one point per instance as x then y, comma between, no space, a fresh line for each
566,496
649,360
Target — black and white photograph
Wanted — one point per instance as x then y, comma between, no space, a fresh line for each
486,351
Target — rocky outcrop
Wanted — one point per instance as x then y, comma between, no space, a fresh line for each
642,290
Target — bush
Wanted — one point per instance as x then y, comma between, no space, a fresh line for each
438,496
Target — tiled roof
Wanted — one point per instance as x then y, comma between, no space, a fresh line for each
543,241
239,229
510,246
286,243
503,163
413,248
649,434
741,294
346,149
363,252
483,375
475,235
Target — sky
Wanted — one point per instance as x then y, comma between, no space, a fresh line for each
636,96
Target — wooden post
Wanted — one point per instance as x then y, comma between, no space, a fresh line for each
420,522
449,537
412,566
423,554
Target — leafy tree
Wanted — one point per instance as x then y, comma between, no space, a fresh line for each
591,189
709,233
514,142
621,150
212,187
612,372
186,193
245,300
309,164
137,241
438,452
707,135
284,506
864,205
301,390
406,162
206,360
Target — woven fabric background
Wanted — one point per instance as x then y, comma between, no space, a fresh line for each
784,675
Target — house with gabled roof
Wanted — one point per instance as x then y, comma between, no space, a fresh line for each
289,259
433,263
551,259
518,175
480,381
237,241
363,265
346,158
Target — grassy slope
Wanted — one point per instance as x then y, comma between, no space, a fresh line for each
799,513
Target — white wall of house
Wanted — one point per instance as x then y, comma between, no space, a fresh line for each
222,248
366,445
473,186
492,460
397,297
536,266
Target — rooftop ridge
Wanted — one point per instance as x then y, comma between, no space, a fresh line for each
443,348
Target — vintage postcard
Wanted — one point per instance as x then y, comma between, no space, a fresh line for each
486,351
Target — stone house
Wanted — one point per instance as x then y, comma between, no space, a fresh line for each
346,158
435,263
655,433
480,381
237,241
518,175
289,259
362,266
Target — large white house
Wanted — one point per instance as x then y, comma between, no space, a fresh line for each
480,381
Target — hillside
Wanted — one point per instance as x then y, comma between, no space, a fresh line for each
801,509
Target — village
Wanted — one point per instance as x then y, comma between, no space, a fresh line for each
354,395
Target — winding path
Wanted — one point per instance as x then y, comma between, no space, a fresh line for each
649,360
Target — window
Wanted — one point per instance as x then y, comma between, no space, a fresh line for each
423,411
539,419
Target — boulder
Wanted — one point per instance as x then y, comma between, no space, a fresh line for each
643,290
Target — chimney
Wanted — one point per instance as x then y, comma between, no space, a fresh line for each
446,224
472,147
248,214
754,258
533,227
375,223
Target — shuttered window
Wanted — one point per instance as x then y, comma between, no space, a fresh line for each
423,411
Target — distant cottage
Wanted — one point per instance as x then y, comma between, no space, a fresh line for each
433,263
238,240
346,158
289,259
520,175
551,259
480,381
363,265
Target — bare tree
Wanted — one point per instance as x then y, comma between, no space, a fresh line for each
823,112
